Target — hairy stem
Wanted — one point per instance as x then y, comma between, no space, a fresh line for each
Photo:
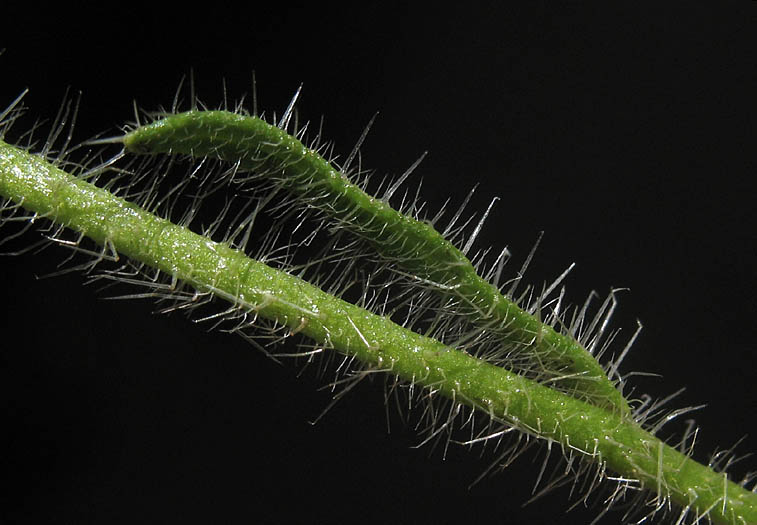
255,289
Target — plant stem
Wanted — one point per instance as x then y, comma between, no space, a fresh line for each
257,290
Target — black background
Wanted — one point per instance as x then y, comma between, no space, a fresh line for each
626,134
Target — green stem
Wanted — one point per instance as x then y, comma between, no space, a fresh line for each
597,434
413,245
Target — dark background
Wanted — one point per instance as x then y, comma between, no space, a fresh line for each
626,134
